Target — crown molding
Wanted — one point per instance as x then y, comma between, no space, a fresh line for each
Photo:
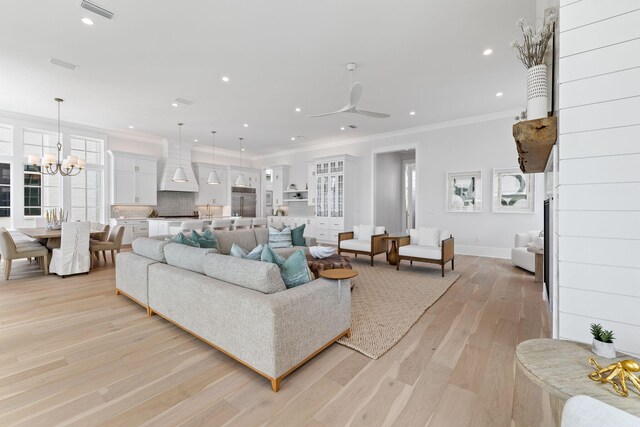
407,131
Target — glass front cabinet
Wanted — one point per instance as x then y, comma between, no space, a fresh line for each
331,178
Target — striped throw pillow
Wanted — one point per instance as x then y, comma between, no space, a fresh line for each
280,239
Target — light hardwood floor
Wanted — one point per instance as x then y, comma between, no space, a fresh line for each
74,353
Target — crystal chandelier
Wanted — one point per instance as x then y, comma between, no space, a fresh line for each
51,164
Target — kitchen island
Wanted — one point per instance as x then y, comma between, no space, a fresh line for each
162,226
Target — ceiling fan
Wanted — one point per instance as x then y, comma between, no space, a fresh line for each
354,98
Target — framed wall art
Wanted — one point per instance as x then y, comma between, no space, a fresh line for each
464,191
513,191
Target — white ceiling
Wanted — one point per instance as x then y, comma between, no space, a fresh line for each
417,55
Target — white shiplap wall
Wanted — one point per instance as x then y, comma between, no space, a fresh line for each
599,170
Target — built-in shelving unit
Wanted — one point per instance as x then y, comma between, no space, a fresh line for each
534,141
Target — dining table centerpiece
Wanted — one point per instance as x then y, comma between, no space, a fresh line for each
54,218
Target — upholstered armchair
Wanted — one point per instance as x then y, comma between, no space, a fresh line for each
10,251
113,244
430,245
363,240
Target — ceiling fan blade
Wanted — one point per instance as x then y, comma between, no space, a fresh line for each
342,110
356,94
372,114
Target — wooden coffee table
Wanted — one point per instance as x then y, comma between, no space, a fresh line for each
318,265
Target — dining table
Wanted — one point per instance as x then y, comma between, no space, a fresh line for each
53,236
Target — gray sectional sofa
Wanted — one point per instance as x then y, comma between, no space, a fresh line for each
238,306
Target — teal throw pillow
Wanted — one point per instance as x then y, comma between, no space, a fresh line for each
238,251
295,271
297,236
280,239
183,240
256,253
269,255
206,240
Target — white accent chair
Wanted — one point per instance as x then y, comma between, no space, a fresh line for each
427,244
520,256
72,257
363,240
221,224
242,224
585,411
259,223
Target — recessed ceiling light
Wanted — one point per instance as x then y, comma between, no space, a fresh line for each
174,104
246,125
499,94
293,138
195,140
298,109
87,21
487,52
225,79
130,126
342,128
242,149
412,113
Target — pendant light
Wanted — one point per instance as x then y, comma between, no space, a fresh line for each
52,164
240,182
180,176
213,176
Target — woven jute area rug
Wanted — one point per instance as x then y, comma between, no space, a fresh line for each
385,303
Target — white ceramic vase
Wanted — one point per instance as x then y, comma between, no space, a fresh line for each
537,92
603,349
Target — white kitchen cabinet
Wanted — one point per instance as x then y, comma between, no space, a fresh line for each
280,181
212,194
133,228
134,179
311,183
334,198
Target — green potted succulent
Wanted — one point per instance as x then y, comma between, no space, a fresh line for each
602,343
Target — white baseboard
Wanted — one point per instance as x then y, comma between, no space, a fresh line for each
484,251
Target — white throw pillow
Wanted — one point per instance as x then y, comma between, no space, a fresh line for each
522,240
366,231
379,229
356,232
444,235
413,237
428,236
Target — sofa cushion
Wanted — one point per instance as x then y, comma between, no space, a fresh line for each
356,232
366,231
413,237
295,270
280,239
187,257
420,251
258,276
429,236
262,235
226,239
379,229
150,248
444,235
297,236
356,245
205,240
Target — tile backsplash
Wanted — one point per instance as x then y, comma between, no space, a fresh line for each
174,203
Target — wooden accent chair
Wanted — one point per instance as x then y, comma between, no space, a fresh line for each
427,245
363,240
10,250
113,244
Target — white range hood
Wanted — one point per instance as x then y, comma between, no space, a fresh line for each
169,163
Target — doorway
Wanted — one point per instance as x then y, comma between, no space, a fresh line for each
395,190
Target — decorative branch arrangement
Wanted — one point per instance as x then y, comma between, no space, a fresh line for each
55,218
534,45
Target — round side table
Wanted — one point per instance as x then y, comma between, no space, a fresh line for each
339,274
